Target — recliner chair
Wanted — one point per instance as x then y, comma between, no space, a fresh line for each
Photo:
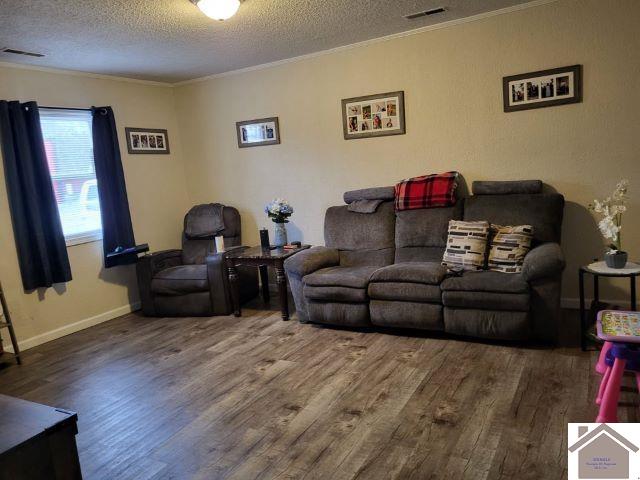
193,281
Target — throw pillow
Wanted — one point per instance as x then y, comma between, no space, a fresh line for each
427,191
466,245
509,245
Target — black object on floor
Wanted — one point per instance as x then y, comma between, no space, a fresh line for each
37,442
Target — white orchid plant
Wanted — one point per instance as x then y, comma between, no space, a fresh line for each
611,210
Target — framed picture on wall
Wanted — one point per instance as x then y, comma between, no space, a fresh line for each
373,115
256,133
545,88
147,140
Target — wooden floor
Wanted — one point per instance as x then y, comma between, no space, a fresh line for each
256,397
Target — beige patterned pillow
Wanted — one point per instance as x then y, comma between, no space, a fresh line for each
466,245
509,245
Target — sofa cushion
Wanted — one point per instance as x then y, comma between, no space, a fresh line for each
419,254
363,239
180,280
466,245
204,221
506,187
372,193
508,247
487,281
335,294
351,277
429,273
358,258
542,211
195,251
518,302
406,292
346,230
426,227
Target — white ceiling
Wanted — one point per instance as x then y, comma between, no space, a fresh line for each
172,41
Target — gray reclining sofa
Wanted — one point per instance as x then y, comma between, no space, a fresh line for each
383,268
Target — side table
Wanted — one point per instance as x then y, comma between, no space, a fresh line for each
597,270
261,258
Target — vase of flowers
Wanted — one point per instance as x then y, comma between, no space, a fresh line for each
611,210
279,211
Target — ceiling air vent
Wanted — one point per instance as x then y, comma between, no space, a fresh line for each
426,13
21,52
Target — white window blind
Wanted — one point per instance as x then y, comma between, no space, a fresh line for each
69,146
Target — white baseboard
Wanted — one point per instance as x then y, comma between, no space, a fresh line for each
73,327
570,303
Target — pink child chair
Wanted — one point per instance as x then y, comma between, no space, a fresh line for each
620,352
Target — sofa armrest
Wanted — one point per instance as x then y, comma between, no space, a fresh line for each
543,261
312,259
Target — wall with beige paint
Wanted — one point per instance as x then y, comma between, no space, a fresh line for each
452,83
157,196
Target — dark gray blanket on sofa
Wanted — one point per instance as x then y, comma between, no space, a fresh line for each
367,200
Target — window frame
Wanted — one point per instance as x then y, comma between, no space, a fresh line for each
82,238
88,236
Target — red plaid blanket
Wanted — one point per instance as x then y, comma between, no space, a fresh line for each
438,190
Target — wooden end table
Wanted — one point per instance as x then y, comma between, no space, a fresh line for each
597,270
261,258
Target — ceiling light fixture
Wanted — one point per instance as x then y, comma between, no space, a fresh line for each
218,9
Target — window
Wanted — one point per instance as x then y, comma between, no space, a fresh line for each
69,146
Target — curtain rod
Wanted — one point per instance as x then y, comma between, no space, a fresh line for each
66,108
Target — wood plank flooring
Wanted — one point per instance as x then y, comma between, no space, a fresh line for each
259,398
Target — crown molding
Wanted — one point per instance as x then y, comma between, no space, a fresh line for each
263,66
372,41
77,73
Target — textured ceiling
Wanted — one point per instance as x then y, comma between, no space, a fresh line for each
172,41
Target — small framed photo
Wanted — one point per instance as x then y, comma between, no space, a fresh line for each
147,140
545,88
373,115
256,133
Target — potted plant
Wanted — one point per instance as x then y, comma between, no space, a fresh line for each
611,210
279,211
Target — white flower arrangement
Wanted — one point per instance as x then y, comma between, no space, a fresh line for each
278,210
611,209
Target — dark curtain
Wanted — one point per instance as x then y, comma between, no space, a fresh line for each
42,251
117,231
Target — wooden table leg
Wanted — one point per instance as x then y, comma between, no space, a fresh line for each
264,280
281,280
633,293
233,284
